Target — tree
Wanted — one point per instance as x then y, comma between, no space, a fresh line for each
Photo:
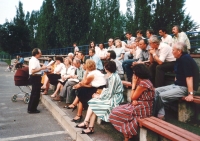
20,30
171,12
46,36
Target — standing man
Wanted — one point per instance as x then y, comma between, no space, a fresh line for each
161,59
76,49
186,81
180,36
165,37
35,80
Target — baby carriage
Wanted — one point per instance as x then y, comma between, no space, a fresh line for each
21,79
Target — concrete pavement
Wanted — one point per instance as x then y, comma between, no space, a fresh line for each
16,124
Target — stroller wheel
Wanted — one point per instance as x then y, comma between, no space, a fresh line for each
26,99
14,98
27,95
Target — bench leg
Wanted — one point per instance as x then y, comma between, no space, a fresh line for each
127,94
98,120
185,111
147,135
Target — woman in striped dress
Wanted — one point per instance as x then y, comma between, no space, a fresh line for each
102,104
124,117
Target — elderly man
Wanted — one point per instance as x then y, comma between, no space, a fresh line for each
67,88
186,81
161,59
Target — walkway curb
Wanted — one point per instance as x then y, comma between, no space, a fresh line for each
64,120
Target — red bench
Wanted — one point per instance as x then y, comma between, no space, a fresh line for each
153,128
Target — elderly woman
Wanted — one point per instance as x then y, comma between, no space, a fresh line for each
124,117
93,80
53,78
66,73
103,102
119,50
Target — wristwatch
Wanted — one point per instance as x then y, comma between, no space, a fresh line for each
190,93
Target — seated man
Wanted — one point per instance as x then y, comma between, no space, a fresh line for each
161,59
67,88
96,59
140,55
186,81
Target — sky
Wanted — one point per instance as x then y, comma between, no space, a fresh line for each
8,8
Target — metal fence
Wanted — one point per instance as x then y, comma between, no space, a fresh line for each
193,36
5,57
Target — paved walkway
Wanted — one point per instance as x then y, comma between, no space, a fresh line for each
16,124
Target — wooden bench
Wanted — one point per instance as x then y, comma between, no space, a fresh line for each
186,109
155,129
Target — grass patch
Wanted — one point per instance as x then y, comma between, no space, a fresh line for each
8,61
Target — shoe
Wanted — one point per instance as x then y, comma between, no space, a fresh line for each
34,112
57,98
84,125
73,108
90,132
77,120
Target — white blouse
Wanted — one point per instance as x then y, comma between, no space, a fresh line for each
99,79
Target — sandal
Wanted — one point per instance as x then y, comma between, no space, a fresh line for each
73,108
84,125
77,120
90,132
44,93
43,87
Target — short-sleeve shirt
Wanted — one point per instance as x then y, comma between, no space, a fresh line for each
185,66
59,68
34,63
164,52
167,40
99,79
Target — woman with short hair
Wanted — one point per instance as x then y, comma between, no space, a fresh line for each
93,80
103,102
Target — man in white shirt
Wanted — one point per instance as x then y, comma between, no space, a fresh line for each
111,44
165,37
102,51
129,45
180,36
35,80
161,59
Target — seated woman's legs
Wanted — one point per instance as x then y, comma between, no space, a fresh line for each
46,80
46,89
74,104
78,116
59,86
88,122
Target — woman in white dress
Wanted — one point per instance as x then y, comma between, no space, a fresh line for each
103,102
119,50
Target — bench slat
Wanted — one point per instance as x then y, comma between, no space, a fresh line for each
177,130
160,130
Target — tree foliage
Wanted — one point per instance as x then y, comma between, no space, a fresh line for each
59,23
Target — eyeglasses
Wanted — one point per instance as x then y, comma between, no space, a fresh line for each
109,41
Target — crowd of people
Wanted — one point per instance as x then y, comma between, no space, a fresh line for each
95,81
